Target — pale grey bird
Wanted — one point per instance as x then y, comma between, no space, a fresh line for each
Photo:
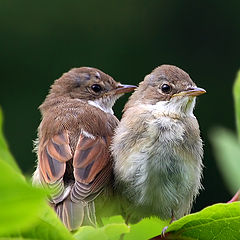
157,147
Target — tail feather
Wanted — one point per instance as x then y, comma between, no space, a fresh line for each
74,215
89,214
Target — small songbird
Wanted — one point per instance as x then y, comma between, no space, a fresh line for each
77,125
157,147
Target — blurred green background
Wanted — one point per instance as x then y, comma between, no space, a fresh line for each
126,39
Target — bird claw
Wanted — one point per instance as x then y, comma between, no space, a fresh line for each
164,231
162,236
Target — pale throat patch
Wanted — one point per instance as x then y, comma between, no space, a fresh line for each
105,103
177,106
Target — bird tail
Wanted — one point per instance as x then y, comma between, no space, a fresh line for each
74,215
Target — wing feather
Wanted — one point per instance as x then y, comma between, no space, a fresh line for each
92,167
52,157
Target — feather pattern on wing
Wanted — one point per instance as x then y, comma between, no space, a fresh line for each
92,167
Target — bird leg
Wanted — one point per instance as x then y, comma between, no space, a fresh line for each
165,228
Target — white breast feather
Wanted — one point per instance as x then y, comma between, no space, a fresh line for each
145,169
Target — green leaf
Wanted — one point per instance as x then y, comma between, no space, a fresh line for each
20,203
48,227
146,229
113,230
227,151
49,216
15,238
113,219
218,222
90,233
4,150
236,94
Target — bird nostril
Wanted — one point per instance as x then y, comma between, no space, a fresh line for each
190,88
119,86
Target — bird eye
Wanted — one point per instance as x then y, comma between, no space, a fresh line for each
166,88
96,88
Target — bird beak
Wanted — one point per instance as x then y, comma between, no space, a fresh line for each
192,91
122,88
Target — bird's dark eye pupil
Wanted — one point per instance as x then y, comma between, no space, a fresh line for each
166,88
96,88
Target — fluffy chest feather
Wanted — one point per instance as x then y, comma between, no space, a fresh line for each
160,168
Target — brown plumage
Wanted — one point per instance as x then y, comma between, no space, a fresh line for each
73,142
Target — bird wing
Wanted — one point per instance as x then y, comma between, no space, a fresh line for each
91,161
92,171
53,156
92,167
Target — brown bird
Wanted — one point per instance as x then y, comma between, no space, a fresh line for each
73,142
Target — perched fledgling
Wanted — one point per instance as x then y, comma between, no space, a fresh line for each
73,142
157,147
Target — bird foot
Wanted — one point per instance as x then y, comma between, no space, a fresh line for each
164,231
